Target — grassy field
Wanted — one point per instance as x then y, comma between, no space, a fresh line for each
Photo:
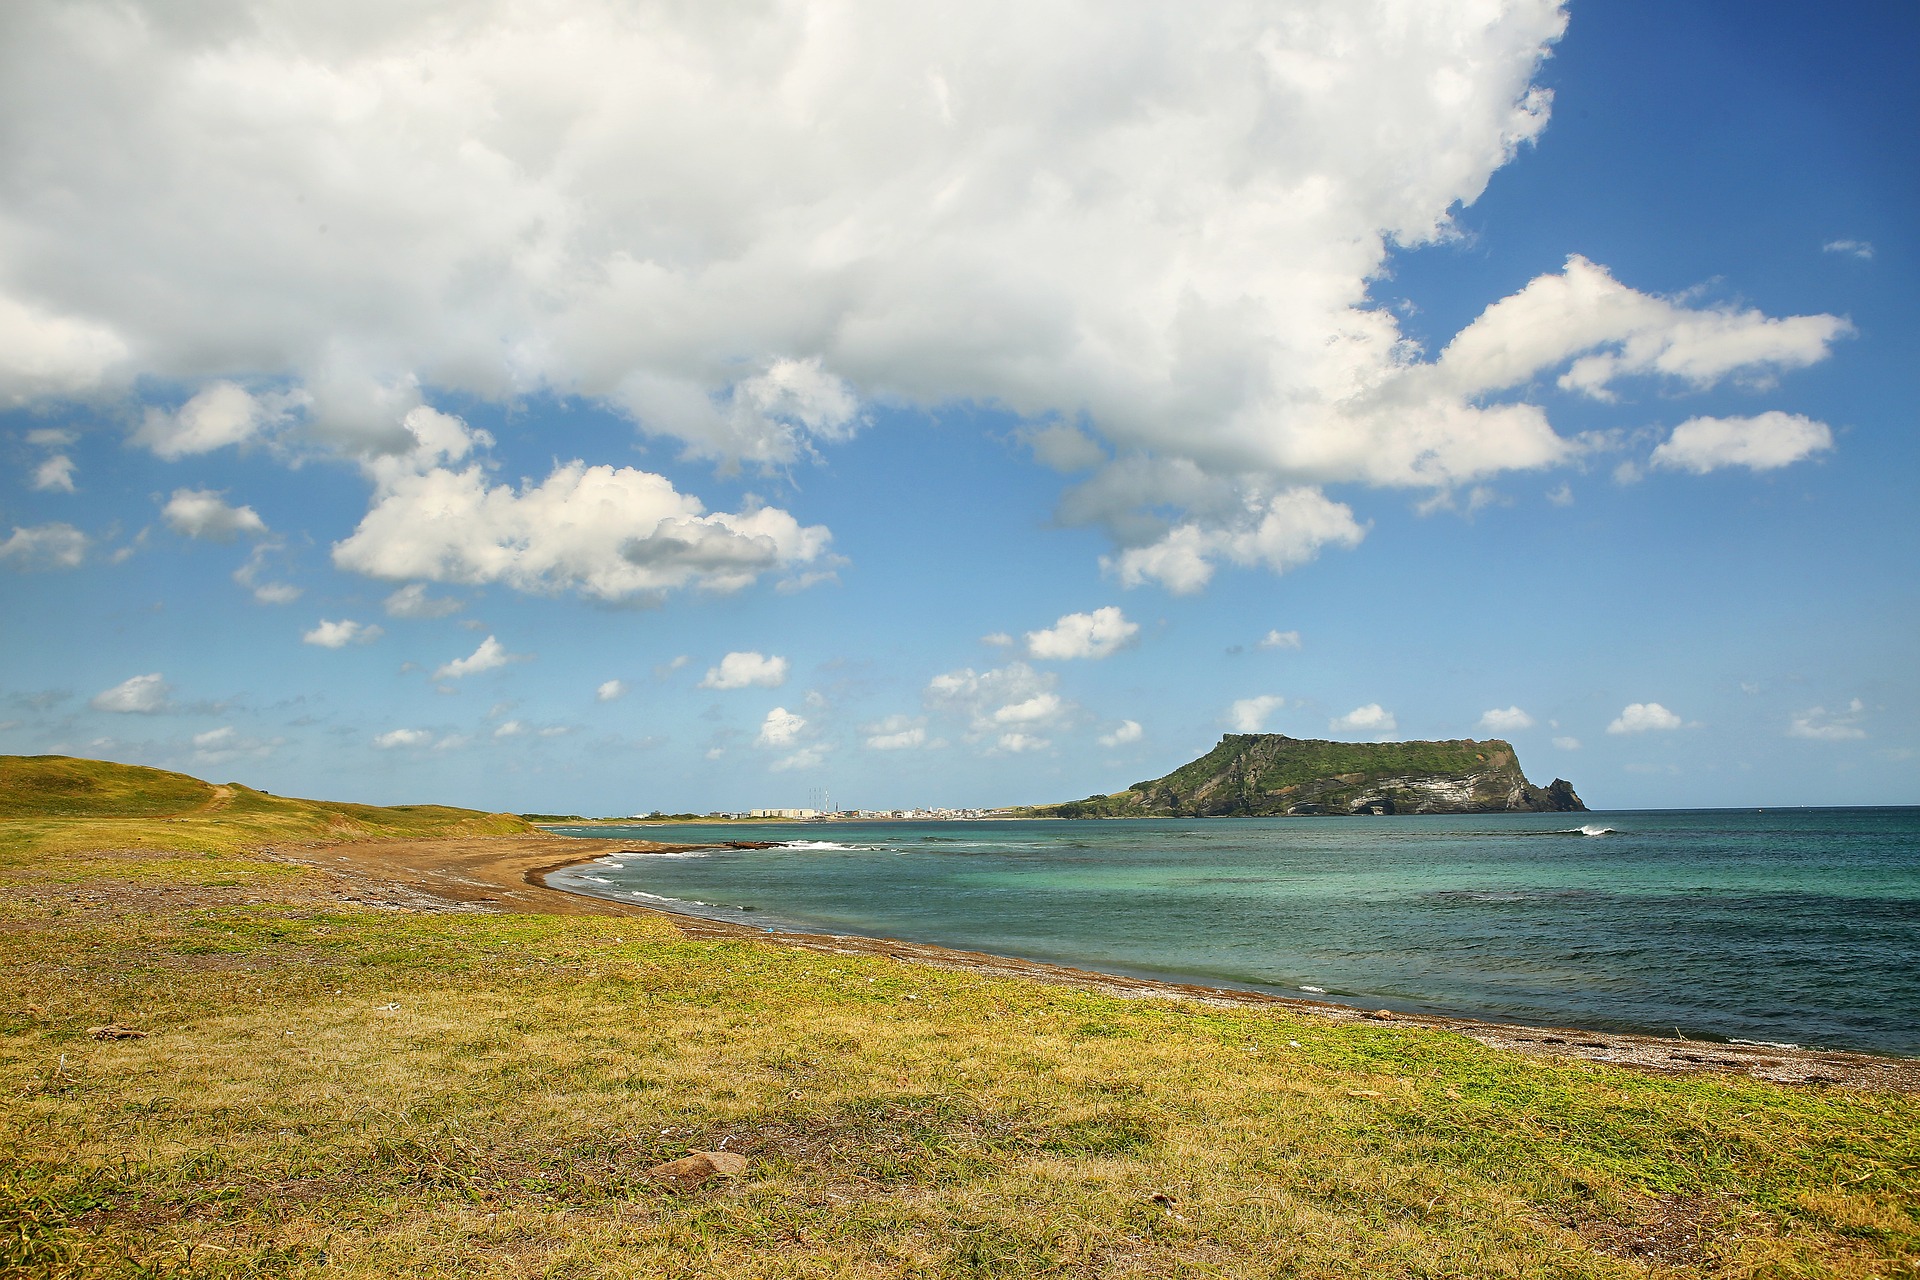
377,1093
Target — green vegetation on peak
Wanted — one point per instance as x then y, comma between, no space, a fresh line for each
1270,774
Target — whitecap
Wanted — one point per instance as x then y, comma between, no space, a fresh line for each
1590,829
1318,991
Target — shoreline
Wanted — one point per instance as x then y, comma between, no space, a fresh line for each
509,873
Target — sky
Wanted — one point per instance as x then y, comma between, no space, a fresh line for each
604,407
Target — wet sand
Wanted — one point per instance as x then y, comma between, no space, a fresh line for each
508,873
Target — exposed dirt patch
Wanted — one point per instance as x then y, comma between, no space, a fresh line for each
1673,1231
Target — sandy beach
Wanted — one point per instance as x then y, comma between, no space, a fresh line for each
508,873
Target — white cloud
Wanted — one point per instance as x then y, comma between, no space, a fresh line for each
997,640
1610,331
1280,533
402,738
45,546
1852,248
897,733
1561,495
745,671
611,690
139,695
1372,719
1823,725
1159,229
217,746
44,354
338,635
610,533
412,601
780,728
1129,731
1765,442
489,656
1017,743
1567,743
1644,717
992,701
811,757
51,437
1099,634
222,413
1249,715
509,729
55,475
203,513
1510,720
1280,640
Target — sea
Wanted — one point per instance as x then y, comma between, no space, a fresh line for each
1785,927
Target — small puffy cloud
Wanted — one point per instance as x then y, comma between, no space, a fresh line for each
1129,731
1099,634
1822,725
611,690
1765,442
1567,743
1000,698
222,413
338,635
1644,717
1372,719
509,729
402,738
610,533
412,601
1509,720
997,639
745,671
810,757
50,437
140,695
1041,708
1561,495
780,728
897,733
203,513
55,475
1280,640
1017,743
1860,249
1280,533
490,655
45,546
1249,715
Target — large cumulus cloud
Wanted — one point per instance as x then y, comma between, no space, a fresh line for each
740,223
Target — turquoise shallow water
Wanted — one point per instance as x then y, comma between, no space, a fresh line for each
1793,926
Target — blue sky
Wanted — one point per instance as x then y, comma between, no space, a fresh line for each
619,409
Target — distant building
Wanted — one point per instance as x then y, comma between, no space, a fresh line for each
784,813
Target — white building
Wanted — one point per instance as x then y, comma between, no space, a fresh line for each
784,813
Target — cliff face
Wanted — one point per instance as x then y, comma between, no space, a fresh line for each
1270,774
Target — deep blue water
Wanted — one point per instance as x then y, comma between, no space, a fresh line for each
1797,926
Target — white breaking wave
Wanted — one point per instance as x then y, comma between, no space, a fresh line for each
1591,830
1319,991
816,844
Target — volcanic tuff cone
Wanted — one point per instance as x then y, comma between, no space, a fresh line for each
1269,774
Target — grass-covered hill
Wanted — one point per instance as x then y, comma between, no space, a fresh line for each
1270,774
85,799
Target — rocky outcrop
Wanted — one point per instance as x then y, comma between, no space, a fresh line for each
1270,775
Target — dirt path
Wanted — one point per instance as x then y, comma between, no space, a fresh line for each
508,873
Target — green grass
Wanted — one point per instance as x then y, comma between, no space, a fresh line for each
334,1093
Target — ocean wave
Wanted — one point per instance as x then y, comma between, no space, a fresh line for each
822,844
1591,829
1318,991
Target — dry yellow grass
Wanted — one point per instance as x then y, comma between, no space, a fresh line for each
381,1093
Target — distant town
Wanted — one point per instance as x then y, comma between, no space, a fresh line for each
787,815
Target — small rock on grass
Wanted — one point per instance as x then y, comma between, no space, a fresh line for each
690,1171
114,1031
